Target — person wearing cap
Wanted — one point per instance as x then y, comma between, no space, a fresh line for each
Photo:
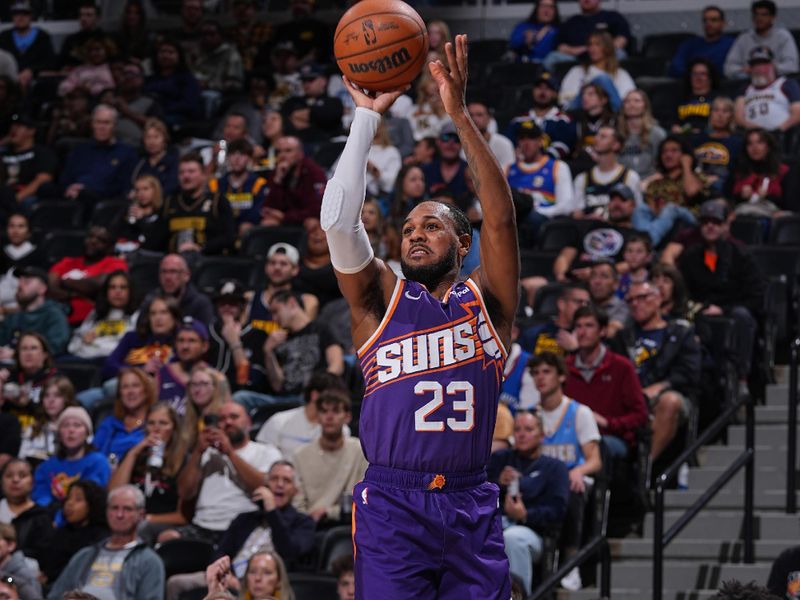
547,179
771,102
500,145
281,269
448,171
713,45
763,34
26,165
36,313
313,116
593,187
559,130
75,459
296,187
191,345
175,280
31,46
235,346
76,280
243,188
723,277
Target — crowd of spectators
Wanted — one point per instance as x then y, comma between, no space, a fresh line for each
223,409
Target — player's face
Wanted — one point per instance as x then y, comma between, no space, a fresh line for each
527,433
280,482
588,332
546,378
430,247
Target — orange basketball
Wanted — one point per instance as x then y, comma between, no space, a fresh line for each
380,44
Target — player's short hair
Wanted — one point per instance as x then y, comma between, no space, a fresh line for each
641,237
594,312
460,220
333,397
548,358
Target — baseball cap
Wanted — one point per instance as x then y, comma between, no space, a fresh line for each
623,191
548,78
529,129
312,71
23,119
21,6
760,54
283,248
31,271
230,289
714,209
192,324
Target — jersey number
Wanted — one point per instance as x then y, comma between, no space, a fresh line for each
454,388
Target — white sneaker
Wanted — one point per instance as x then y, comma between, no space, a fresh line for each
572,580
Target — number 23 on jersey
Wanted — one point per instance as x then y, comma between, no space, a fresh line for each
462,396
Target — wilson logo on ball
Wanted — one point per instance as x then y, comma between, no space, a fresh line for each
383,64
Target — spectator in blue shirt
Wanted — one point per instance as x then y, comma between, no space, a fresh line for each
533,39
174,86
573,36
100,169
712,45
534,491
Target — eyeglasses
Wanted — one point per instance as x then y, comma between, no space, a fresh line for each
449,137
707,220
638,298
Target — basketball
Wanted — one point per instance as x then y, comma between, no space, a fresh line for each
381,44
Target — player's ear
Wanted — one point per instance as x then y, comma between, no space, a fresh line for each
464,244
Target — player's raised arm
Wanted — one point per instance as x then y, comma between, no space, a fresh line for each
361,276
499,246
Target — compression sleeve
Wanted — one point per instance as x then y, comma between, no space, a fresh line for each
340,216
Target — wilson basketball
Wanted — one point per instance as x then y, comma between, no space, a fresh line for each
381,44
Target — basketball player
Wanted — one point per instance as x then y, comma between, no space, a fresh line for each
425,521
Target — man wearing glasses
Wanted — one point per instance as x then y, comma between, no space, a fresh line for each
667,360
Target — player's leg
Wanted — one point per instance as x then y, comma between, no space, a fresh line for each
475,564
397,543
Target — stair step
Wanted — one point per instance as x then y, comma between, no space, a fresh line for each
637,594
721,525
778,394
631,574
771,414
696,549
766,477
758,572
774,436
766,456
728,497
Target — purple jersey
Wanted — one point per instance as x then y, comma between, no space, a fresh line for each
433,373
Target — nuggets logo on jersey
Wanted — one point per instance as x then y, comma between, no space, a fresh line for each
603,242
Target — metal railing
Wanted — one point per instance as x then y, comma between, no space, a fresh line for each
791,454
598,544
746,459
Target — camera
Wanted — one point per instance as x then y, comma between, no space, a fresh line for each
211,420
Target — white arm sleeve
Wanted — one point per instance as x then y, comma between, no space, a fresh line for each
343,199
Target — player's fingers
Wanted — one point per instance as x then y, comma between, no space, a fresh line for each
450,53
438,72
461,55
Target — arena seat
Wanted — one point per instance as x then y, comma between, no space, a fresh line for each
748,230
336,542
785,231
645,66
557,233
210,270
257,240
47,215
185,556
513,74
143,271
544,304
535,263
663,96
663,45
484,51
106,211
83,375
308,586
60,243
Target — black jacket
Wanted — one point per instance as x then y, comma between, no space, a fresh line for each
735,281
34,529
292,532
678,360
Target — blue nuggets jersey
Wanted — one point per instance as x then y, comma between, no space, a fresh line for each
433,372
538,180
563,443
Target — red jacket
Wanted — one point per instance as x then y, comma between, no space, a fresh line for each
299,195
614,392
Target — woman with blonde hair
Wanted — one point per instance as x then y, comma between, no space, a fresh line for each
438,36
641,132
137,225
602,63
383,162
265,578
124,429
153,466
206,392
39,438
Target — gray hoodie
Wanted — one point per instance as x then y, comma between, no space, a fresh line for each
27,585
778,39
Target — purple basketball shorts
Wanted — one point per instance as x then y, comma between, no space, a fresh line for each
420,536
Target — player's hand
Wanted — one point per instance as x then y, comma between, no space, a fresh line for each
380,103
507,475
452,80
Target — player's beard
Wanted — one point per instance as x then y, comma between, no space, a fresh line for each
430,275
